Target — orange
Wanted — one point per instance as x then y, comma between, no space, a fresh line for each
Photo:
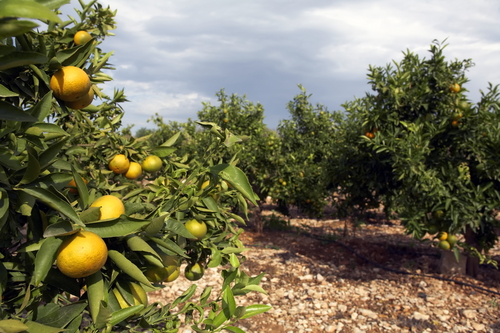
111,207
72,185
454,88
443,235
226,120
134,171
82,102
119,164
370,135
152,163
452,239
81,37
454,123
197,228
194,272
444,245
70,83
81,254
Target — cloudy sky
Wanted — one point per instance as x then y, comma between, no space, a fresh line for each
172,55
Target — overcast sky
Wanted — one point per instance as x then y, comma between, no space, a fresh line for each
172,55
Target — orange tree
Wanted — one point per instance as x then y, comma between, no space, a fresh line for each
308,144
426,151
56,191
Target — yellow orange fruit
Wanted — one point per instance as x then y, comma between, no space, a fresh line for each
444,245
81,37
197,228
119,164
81,254
70,83
82,102
443,235
134,171
455,87
111,207
152,163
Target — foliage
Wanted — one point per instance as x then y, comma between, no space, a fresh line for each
46,144
432,150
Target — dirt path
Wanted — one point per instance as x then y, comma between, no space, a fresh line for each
352,285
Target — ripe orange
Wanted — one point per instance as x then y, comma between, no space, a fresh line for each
70,83
194,272
152,163
81,254
455,87
443,235
134,170
72,185
111,207
119,164
454,123
81,37
82,102
370,135
197,228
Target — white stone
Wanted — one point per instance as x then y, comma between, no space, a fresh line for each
419,316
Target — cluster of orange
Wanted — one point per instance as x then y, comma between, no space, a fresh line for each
120,164
71,84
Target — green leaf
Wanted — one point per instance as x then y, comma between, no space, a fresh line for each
47,157
185,296
53,201
234,329
120,315
27,9
163,151
211,204
170,142
39,328
63,316
10,112
17,59
95,291
83,191
32,171
59,229
170,245
53,4
255,309
179,228
119,227
237,178
43,108
156,225
254,287
216,258
13,27
4,92
228,302
45,258
137,244
128,267
4,202
233,259
12,326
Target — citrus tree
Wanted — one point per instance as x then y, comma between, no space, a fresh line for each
309,143
428,151
92,219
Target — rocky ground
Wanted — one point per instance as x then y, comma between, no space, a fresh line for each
368,278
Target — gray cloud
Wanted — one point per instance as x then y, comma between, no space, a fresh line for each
172,55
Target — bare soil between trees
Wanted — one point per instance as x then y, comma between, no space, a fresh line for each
363,277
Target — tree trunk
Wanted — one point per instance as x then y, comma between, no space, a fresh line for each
472,261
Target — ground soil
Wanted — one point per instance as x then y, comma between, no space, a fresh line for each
366,276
